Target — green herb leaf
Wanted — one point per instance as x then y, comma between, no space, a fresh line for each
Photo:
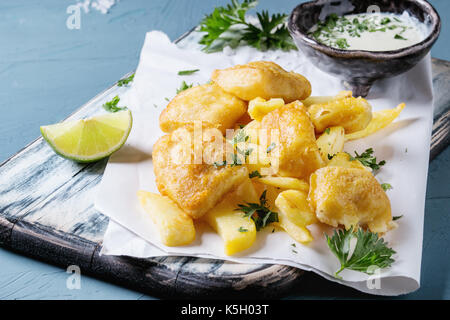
386,186
327,130
125,81
370,250
187,72
260,212
394,218
184,86
399,37
242,229
255,174
227,26
111,106
368,160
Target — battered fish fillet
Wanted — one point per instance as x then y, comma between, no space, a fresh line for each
263,79
298,154
350,197
208,103
195,188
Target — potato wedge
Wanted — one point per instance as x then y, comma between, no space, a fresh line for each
380,119
259,107
285,183
238,232
331,142
342,159
354,114
325,99
175,227
294,214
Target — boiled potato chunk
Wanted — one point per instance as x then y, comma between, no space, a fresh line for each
354,114
258,107
325,99
331,142
379,120
294,214
175,227
343,159
238,232
285,183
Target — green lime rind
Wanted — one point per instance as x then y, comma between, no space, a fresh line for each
94,157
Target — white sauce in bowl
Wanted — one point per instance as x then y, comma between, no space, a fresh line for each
370,31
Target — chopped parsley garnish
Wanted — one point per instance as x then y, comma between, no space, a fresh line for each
386,186
327,130
242,229
370,250
394,218
125,81
227,26
184,86
254,174
111,106
187,72
399,37
260,212
368,160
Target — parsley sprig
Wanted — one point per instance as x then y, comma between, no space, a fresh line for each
111,106
370,250
368,160
227,26
125,81
184,86
260,212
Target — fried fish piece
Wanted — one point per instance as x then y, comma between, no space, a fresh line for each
262,79
195,185
208,103
350,197
297,153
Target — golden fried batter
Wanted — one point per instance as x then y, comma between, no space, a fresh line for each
208,103
298,154
195,188
263,79
350,197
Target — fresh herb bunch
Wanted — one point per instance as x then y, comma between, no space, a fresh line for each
370,250
260,212
111,106
368,160
125,81
227,26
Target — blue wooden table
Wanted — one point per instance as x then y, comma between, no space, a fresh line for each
48,71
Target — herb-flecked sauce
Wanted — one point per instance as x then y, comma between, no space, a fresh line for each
369,31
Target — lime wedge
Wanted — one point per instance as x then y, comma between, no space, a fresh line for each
90,139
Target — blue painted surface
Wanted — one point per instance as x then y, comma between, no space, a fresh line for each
48,71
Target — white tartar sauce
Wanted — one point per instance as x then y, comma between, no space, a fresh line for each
369,31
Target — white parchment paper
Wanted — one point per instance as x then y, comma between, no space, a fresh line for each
404,145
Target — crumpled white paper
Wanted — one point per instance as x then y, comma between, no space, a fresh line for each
404,145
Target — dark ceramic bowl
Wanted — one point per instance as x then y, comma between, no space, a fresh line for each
360,68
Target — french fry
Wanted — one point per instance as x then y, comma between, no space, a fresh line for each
354,114
294,214
175,227
258,107
238,232
331,142
325,99
380,119
285,183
